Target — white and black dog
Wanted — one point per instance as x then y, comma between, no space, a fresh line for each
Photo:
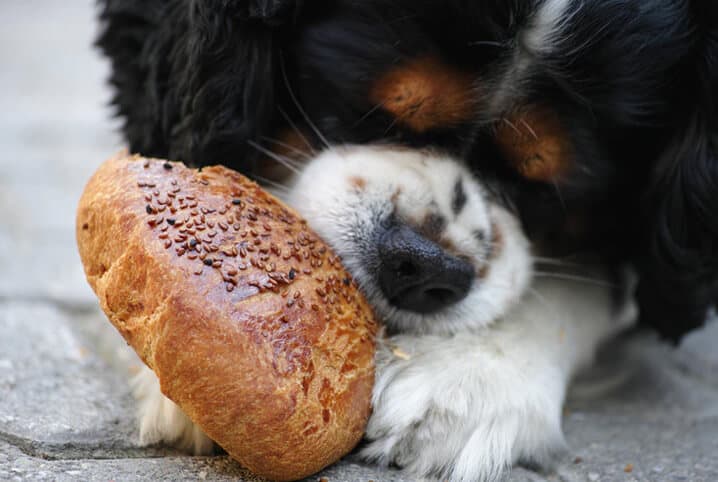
478,350
442,148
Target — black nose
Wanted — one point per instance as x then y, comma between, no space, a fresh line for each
416,274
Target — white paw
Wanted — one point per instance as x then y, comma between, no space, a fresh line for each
162,421
463,409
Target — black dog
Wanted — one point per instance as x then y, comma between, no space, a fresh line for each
414,134
623,94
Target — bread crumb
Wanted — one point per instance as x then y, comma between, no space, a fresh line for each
399,353
628,468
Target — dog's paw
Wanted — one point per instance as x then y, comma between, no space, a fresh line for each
462,411
162,421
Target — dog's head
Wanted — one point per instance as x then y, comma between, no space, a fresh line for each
427,244
596,121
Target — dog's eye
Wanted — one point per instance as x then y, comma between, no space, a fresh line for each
535,143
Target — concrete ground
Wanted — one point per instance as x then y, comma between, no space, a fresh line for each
65,409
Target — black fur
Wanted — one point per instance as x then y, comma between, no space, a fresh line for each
635,83
680,264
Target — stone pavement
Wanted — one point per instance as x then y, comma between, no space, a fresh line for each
65,408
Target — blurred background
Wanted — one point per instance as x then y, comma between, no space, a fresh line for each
65,408
55,128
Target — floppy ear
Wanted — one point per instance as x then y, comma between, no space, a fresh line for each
195,79
226,76
679,271
134,39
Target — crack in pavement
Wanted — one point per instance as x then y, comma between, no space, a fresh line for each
84,451
67,307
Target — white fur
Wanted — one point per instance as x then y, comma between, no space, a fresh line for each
545,28
161,420
463,393
347,217
538,37
468,406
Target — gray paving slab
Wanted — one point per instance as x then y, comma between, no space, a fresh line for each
68,412
18,465
61,398
657,418
646,413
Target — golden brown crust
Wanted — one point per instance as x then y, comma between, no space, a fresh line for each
247,318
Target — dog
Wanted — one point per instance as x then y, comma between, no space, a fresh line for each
592,123
597,118
478,348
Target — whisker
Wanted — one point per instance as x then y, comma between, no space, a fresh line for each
299,152
528,127
556,262
489,121
370,112
408,16
542,299
299,106
512,125
486,43
297,130
281,191
286,162
290,160
282,196
547,259
391,125
275,185
570,277
558,193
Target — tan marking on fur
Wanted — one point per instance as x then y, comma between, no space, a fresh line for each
497,241
497,245
358,183
535,143
433,225
395,197
426,94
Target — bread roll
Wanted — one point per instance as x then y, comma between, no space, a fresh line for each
250,322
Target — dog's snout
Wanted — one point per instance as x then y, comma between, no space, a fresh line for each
416,274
